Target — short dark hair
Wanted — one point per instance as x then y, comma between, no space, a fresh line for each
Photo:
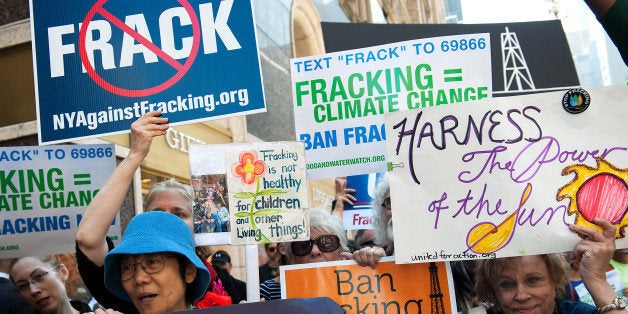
189,291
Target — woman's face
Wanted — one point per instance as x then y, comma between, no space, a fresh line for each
316,255
46,292
173,202
525,288
159,292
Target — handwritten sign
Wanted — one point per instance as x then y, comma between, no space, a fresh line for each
268,193
505,177
44,192
385,289
340,98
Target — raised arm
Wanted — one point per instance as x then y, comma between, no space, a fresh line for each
95,223
594,252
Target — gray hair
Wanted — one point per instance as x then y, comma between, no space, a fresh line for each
381,231
166,185
322,220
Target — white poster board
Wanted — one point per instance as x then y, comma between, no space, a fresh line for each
505,177
265,195
340,98
44,192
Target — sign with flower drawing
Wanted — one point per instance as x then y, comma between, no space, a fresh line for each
267,193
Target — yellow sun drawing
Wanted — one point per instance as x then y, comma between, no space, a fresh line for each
600,192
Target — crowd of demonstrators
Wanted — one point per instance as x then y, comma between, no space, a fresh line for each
42,283
92,243
155,266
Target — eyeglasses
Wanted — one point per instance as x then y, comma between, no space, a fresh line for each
271,249
325,243
23,286
386,203
152,264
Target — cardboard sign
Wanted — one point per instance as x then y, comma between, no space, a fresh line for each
44,192
505,177
100,65
385,289
340,98
267,195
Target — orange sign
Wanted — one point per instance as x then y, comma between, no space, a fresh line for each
389,288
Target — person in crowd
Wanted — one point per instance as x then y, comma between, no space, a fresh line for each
620,263
220,283
462,274
363,238
222,260
576,291
199,213
536,283
41,281
613,15
223,215
270,288
92,243
213,220
11,302
266,270
155,266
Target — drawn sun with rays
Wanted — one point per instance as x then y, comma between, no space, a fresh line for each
600,192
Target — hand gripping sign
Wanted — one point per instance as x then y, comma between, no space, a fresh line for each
101,65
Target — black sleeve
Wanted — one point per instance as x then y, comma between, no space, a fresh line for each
614,23
94,279
229,285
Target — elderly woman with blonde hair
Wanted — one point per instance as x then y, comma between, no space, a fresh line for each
536,283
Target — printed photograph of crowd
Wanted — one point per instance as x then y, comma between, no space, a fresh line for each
211,213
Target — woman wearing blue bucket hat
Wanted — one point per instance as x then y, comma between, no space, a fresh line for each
155,265
92,242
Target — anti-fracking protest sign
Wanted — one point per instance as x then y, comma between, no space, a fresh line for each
505,177
383,289
339,99
249,193
99,65
359,215
526,57
44,192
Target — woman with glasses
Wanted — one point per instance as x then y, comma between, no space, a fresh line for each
536,283
92,243
41,282
155,265
328,242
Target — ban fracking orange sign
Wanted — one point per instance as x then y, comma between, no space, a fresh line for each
389,288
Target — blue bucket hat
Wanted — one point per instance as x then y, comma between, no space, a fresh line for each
155,232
